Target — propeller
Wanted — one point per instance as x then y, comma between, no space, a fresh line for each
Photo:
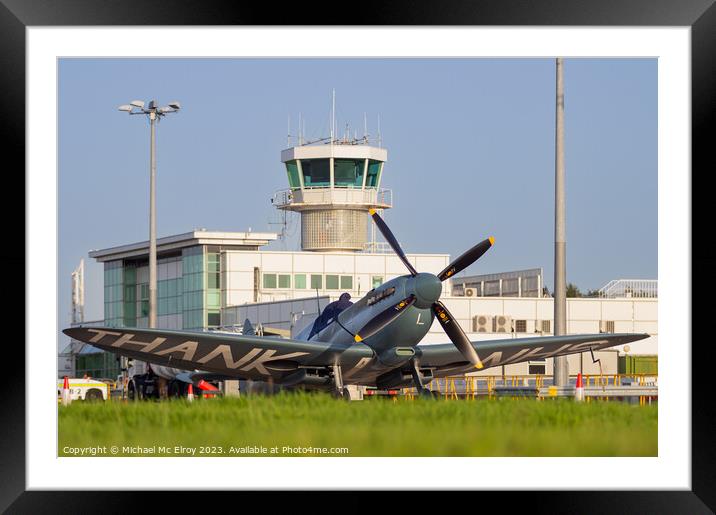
456,334
384,318
467,259
388,235
447,321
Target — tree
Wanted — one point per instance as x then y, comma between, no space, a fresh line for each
573,290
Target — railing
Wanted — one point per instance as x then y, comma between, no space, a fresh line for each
337,195
630,288
470,387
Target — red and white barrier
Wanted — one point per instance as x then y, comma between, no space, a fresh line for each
190,393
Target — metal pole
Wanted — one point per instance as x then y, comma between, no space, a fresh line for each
561,366
152,223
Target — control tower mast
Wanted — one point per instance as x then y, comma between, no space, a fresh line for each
332,184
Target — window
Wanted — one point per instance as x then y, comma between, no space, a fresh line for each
535,369
316,172
331,282
348,173
284,281
299,281
292,171
377,281
520,326
214,318
373,178
346,282
212,267
269,280
316,282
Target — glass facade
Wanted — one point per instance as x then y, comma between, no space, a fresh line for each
113,293
292,170
348,173
374,169
316,172
193,272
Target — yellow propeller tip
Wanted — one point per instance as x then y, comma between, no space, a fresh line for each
371,211
358,338
479,366
492,240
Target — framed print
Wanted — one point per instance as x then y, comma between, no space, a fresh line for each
416,63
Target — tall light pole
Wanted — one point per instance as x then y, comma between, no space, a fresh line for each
154,113
561,365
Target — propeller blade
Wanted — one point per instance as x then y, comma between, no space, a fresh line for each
456,334
384,318
467,259
388,235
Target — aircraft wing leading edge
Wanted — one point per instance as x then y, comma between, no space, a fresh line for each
240,356
445,359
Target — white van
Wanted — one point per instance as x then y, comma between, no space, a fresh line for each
84,390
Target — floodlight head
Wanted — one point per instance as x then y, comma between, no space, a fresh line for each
165,109
137,103
152,104
175,105
125,107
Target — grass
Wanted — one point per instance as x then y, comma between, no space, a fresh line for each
375,427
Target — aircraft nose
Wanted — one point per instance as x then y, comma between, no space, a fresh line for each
427,289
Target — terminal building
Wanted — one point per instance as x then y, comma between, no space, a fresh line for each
215,280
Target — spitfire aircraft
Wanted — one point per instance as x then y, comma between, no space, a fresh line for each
373,342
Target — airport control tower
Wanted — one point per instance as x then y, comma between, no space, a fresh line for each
332,184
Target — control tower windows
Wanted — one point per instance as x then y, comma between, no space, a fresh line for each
316,172
293,180
373,179
348,173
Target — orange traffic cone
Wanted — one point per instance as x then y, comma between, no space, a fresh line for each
190,393
66,399
579,389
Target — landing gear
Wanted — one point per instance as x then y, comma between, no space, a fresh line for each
419,383
338,390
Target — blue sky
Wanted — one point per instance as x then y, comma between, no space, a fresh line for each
470,154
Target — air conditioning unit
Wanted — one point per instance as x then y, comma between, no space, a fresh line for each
606,326
543,326
520,326
470,292
482,324
502,324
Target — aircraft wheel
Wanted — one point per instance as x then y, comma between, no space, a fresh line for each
93,395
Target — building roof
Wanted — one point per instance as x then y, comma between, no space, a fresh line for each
188,239
339,151
514,274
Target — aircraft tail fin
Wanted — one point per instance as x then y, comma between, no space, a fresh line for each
248,328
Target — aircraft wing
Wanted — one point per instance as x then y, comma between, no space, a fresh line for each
445,359
238,356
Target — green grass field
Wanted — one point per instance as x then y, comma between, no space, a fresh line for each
375,427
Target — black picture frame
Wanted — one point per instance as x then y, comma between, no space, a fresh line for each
699,15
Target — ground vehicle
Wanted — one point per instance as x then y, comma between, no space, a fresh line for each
84,389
